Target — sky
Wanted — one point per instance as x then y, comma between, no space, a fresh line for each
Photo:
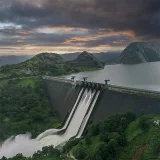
65,26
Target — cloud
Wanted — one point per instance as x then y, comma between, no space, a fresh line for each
141,16
85,23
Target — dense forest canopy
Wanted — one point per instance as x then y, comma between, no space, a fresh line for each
24,107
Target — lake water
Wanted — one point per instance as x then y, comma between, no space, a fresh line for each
144,76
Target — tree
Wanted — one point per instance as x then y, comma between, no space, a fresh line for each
114,135
79,152
45,150
130,116
53,152
113,148
104,137
70,144
88,140
143,123
4,158
93,130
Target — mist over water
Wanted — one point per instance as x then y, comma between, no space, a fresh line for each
20,144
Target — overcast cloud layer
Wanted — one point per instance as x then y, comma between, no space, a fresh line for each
30,27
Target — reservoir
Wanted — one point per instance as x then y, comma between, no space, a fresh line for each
142,76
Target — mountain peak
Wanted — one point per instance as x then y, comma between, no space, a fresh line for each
140,52
88,60
85,52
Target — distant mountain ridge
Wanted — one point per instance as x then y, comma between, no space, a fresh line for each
86,59
137,52
105,57
13,59
140,52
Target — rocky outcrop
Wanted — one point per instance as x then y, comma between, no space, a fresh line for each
86,59
140,52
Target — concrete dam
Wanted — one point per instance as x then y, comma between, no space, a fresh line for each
77,118
80,103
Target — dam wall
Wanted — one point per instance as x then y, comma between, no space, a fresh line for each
113,102
62,96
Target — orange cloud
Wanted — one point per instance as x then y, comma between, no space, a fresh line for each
24,32
101,34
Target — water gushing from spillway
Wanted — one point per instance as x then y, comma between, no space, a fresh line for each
55,131
20,144
73,127
74,124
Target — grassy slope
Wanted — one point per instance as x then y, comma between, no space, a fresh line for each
27,82
146,142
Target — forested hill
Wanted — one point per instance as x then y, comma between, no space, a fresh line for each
46,64
140,52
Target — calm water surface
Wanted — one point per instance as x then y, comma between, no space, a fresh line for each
144,76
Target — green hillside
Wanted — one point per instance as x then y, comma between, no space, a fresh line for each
44,64
121,137
41,64
143,139
24,107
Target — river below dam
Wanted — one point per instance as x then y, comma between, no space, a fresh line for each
143,76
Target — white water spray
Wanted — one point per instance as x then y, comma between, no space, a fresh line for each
74,125
20,144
